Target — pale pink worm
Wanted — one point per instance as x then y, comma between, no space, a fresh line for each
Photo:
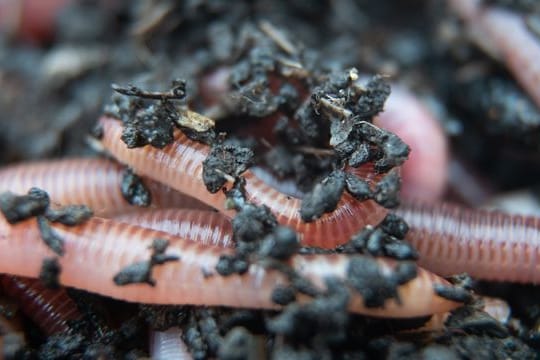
180,165
168,344
486,245
90,181
98,249
506,33
425,172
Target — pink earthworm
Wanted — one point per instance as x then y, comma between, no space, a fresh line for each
205,227
51,309
98,249
494,307
30,20
425,172
180,166
90,181
168,344
506,35
487,245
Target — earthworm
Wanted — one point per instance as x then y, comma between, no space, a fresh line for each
205,227
496,308
180,166
487,245
507,33
51,309
100,248
30,20
90,181
168,344
425,172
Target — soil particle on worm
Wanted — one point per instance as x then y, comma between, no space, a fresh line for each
17,208
141,272
50,272
134,190
366,277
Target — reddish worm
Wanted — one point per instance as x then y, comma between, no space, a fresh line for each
487,245
100,248
180,165
51,309
450,239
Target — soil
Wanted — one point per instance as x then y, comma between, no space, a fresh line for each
283,60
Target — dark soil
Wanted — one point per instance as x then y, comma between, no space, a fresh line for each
285,60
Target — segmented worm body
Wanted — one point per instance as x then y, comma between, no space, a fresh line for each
180,166
487,245
51,309
168,344
90,181
101,248
510,39
202,226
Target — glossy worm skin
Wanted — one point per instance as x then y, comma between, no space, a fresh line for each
180,165
507,33
425,172
486,245
203,226
168,344
90,181
52,310
100,248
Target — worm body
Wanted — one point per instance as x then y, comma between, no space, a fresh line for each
98,249
507,33
89,181
168,344
424,173
52,310
205,227
494,307
180,165
486,245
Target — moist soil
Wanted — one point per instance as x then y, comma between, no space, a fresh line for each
282,62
